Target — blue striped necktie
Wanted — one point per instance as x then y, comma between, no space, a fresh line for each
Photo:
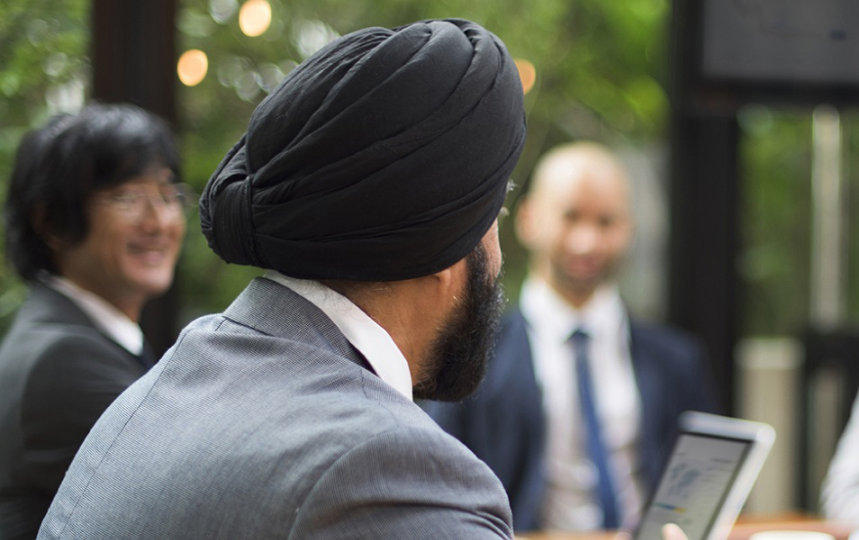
596,446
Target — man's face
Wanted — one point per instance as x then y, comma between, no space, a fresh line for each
130,251
462,348
577,227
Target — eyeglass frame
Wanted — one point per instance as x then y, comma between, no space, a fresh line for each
130,203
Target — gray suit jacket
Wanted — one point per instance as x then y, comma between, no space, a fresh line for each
264,422
58,373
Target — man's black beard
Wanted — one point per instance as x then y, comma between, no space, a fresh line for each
460,353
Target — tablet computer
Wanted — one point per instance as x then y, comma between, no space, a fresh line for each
712,468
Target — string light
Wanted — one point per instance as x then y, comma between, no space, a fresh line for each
192,67
255,17
527,74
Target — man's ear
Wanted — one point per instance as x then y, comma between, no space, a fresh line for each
447,286
525,222
39,222
447,279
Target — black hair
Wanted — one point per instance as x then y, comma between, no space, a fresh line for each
59,166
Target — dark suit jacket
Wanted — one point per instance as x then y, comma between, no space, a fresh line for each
58,373
503,422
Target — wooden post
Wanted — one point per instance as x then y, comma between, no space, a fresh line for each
133,53
704,199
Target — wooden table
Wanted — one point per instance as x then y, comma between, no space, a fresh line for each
744,528
747,526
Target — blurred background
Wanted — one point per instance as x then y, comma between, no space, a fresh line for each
735,117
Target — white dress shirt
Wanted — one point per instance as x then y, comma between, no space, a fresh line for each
104,315
840,494
363,332
570,502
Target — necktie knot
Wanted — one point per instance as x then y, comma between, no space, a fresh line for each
580,336
580,340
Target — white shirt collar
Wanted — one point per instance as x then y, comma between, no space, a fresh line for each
115,324
603,313
363,333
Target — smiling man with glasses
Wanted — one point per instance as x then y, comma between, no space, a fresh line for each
94,223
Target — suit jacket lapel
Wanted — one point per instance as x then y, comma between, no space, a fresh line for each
523,470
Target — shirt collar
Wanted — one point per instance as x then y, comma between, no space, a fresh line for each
604,313
363,332
112,322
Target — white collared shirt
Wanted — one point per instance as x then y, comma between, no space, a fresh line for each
570,503
363,332
114,323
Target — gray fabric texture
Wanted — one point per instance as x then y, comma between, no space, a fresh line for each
263,422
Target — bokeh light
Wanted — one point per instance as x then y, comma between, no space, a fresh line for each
192,67
255,17
222,10
527,74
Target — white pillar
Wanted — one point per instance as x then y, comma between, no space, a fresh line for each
827,227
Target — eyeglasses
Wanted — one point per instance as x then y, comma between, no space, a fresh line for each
170,200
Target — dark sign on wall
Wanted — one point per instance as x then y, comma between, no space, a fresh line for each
773,51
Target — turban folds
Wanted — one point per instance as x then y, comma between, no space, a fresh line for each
384,156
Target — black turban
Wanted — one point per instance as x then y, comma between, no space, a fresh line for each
384,156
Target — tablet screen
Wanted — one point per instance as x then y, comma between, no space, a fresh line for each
694,485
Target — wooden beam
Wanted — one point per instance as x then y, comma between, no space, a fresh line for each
133,54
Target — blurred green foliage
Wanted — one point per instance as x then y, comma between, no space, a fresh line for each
774,262
601,74
43,67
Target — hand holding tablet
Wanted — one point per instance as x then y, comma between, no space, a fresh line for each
712,468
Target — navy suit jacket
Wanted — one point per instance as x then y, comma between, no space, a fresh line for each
504,425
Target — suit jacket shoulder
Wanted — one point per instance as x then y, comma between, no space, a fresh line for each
671,357
263,422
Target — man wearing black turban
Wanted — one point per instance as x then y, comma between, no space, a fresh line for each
368,185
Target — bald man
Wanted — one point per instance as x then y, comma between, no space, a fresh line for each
579,407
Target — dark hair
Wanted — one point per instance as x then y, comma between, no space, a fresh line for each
60,165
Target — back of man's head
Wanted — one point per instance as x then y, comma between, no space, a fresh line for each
384,156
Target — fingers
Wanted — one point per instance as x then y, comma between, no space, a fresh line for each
670,531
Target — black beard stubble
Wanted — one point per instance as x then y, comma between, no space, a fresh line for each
460,353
